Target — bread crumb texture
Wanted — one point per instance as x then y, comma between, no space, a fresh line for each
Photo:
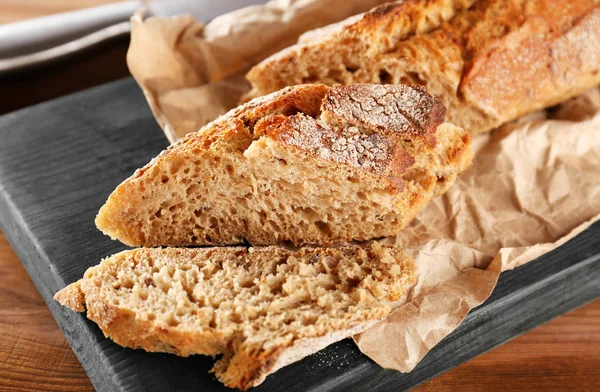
260,307
309,164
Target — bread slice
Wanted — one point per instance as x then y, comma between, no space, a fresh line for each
262,308
309,164
489,61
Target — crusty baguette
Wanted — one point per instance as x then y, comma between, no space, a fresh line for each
262,308
489,61
308,164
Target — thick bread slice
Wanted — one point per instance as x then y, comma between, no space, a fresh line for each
489,61
308,164
262,308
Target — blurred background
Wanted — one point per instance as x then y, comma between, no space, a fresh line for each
99,64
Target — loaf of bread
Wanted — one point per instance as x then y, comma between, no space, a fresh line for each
308,164
262,308
488,61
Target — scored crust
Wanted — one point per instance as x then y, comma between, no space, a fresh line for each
262,308
369,152
488,61
308,164
405,112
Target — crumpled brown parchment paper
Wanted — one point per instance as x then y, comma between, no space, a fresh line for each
533,185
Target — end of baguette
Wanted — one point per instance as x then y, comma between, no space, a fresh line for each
72,297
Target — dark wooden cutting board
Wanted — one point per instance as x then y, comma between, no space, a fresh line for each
60,160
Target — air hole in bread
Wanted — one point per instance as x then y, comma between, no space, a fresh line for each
213,321
331,263
172,321
311,78
351,68
335,77
262,216
143,295
127,283
290,110
276,287
353,282
194,188
164,179
323,227
385,77
275,226
309,320
163,287
411,78
419,177
247,283
174,168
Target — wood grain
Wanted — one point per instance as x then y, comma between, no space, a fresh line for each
563,354
34,352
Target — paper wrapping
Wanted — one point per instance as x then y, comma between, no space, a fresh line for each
191,73
533,184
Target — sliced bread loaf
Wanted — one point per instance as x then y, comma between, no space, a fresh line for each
489,61
308,164
262,308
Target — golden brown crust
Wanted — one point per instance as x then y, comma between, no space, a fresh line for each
126,329
329,54
549,56
489,61
72,297
299,99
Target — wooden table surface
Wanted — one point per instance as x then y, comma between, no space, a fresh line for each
563,354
